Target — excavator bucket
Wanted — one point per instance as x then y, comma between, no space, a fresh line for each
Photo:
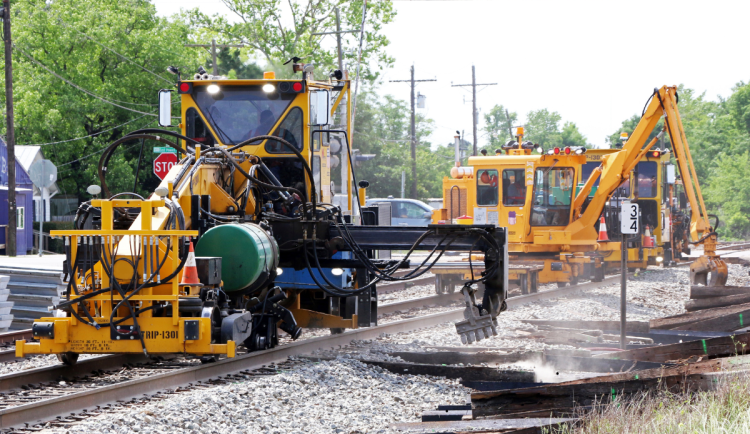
705,266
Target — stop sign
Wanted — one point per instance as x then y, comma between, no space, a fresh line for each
163,162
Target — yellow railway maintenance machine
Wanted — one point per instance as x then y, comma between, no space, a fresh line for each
664,209
252,190
552,222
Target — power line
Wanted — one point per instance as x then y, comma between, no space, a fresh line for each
90,135
82,158
79,87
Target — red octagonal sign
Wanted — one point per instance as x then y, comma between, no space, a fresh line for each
163,163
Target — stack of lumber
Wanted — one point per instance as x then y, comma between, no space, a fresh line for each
716,309
693,366
708,297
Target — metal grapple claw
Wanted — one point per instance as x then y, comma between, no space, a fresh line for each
476,326
705,265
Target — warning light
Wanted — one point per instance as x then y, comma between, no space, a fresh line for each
656,154
297,87
557,150
185,87
567,150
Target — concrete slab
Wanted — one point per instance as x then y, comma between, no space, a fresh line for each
51,262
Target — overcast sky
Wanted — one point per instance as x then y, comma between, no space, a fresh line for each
594,62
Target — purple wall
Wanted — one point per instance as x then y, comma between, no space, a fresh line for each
24,198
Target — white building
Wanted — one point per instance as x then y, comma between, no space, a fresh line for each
26,156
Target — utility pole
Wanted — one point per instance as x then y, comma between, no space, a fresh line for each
510,128
213,46
474,113
10,136
413,193
338,34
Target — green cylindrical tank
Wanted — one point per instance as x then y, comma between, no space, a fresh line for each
248,253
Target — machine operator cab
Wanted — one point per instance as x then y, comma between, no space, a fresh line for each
515,188
219,111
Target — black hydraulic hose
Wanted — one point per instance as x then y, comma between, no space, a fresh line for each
254,179
160,131
343,292
104,159
291,148
351,164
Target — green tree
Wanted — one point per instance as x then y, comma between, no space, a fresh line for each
264,26
230,62
382,128
498,125
116,50
542,127
570,136
729,193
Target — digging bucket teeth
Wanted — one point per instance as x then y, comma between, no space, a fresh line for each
476,326
705,266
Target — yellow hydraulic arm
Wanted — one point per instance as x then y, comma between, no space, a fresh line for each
616,169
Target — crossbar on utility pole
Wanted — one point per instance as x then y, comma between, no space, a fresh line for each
213,46
338,34
413,193
10,136
474,113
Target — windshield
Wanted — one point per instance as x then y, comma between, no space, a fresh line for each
238,113
553,190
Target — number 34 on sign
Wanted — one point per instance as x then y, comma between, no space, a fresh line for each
630,218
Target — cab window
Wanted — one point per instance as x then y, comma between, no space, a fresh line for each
586,171
647,181
514,190
289,130
553,192
196,129
487,187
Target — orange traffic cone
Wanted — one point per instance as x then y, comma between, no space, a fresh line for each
602,230
647,240
190,270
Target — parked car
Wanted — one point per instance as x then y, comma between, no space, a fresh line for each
435,203
406,212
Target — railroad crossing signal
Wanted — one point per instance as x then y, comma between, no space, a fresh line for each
163,163
629,222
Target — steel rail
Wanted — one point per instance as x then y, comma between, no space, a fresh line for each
388,288
444,299
46,409
49,408
13,336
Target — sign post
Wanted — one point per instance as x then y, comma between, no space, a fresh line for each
163,162
43,174
629,225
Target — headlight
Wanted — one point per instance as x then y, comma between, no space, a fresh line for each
268,88
337,271
213,88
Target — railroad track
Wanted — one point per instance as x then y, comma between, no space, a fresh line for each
26,401
8,339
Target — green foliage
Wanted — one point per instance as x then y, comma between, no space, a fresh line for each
498,125
542,127
264,27
570,136
382,127
231,63
70,39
